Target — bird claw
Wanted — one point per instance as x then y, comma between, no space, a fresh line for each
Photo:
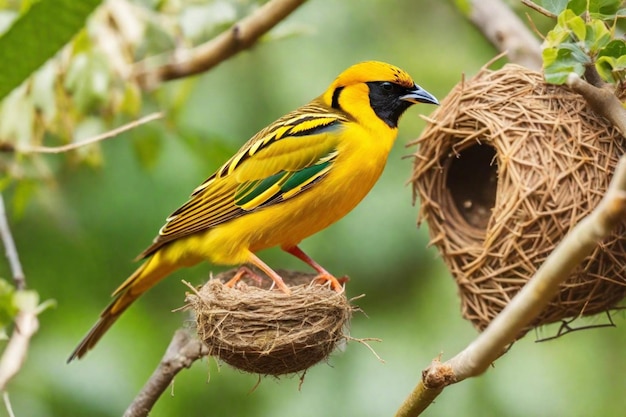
242,272
335,284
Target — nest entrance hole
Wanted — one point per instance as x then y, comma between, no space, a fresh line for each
472,182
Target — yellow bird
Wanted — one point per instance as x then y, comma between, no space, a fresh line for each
292,179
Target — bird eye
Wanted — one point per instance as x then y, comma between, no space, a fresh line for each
387,86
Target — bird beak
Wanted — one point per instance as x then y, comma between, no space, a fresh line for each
419,95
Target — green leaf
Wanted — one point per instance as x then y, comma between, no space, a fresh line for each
42,91
615,49
17,114
600,9
605,66
608,63
554,6
612,69
598,36
577,7
7,17
556,36
577,53
37,35
559,63
604,8
575,23
88,80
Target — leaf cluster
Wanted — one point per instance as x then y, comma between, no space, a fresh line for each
72,77
585,36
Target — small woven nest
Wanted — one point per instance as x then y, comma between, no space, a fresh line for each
505,167
266,331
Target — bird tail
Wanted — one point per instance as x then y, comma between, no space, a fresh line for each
145,277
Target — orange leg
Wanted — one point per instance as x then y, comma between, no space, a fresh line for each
241,272
324,275
270,273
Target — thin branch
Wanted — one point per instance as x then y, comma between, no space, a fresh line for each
182,351
10,249
239,37
506,31
89,141
26,323
422,396
528,302
602,100
14,355
7,404
538,8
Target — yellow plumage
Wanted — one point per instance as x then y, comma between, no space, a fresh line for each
292,179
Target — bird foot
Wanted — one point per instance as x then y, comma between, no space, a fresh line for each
242,272
335,284
245,271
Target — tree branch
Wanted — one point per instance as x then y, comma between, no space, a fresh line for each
573,249
539,9
10,249
526,304
89,141
182,351
240,36
14,355
506,32
601,99
7,404
25,322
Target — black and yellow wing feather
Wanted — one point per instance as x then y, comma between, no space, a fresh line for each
278,163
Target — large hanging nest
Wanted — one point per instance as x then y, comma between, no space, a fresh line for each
266,331
505,167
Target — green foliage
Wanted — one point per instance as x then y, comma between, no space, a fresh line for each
12,301
583,36
601,9
611,63
75,77
411,300
35,37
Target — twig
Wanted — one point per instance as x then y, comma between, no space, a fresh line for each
14,355
94,139
506,32
240,36
7,404
538,8
26,323
601,100
182,351
526,304
10,249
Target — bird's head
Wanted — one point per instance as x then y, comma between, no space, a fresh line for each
375,86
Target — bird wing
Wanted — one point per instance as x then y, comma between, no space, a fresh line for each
278,163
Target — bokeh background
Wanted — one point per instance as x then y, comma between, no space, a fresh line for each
79,254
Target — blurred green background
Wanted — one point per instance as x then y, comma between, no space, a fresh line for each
110,214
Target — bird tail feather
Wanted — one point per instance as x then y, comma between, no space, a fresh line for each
145,277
